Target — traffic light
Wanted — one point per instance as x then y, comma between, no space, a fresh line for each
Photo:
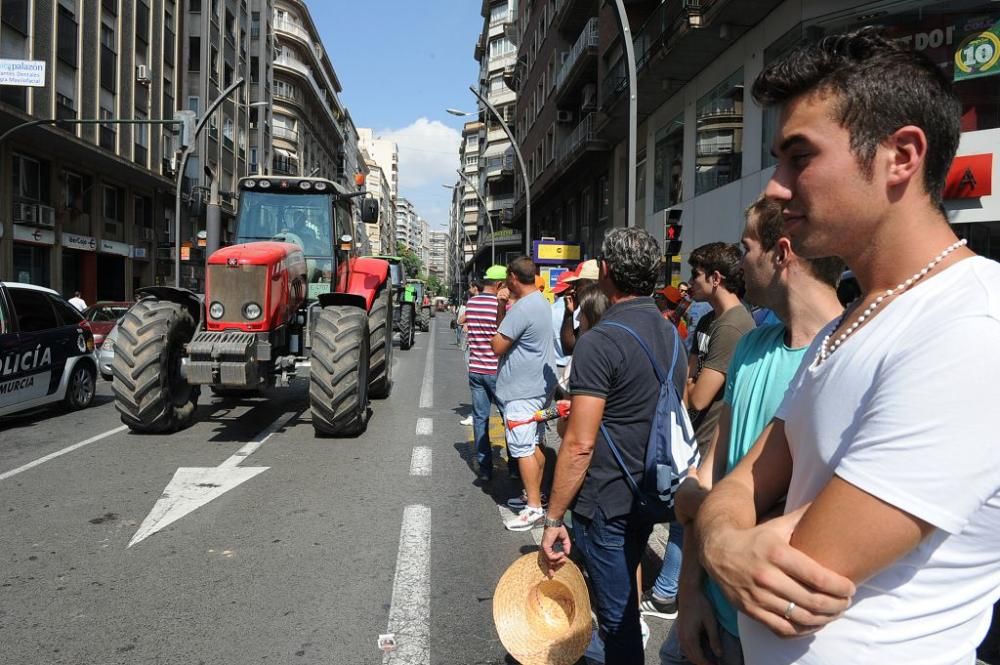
189,121
672,232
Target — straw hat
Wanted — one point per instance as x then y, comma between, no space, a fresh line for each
542,621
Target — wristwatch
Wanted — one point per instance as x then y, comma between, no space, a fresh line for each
552,523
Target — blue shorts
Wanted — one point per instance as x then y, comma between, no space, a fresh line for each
521,440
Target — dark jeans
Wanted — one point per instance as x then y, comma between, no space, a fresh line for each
612,550
484,393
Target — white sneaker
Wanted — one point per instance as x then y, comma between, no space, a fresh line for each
526,519
465,421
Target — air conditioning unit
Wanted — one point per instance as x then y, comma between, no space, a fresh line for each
589,97
142,75
46,216
564,117
26,213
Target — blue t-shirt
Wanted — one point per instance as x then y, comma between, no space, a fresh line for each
527,370
758,376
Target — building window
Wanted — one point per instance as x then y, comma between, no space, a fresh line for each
194,6
109,58
66,37
141,135
194,104
668,162
719,153
142,22
108,132
500,46
168,46
111,208
194,54
27,178
227,133
76,193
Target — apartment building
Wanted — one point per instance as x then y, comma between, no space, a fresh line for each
470,210
703,145
82,204
439,260
405,215
497,55
385,155
380,237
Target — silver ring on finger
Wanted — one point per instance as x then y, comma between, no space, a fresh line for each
788,610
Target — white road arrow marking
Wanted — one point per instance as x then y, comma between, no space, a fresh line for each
193,487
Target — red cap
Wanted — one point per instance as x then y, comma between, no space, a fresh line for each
671,293
561,284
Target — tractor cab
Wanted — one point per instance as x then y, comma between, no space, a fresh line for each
312,213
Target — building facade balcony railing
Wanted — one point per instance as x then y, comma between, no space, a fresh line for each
283,166
498,203
290,27
586,43
503,95
498,166
583,137
285,133
503,60
326,100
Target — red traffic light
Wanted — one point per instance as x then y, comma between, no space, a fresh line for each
673,231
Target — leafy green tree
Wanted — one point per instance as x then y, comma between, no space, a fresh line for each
435,286
412,263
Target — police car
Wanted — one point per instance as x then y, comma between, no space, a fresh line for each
46,350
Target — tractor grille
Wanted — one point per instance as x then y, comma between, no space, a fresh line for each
234,288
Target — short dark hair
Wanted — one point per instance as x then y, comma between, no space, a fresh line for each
767,225
478,283
592,302
633,259
522,269
880,85
722,257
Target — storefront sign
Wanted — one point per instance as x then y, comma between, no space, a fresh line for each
112,247
84,243
34,235
978,55
556,252
23,72
970,177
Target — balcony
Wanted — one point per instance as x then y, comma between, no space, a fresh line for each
584,138
571,15
497,204
580,65
502,95
672,47
292,28
501,61
285,134
498,167
326,101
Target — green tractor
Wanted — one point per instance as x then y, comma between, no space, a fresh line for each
416,293
404,316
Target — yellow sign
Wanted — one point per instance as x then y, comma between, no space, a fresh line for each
559,252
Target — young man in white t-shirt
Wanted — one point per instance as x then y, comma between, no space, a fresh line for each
889,549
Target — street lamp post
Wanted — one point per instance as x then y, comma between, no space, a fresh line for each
633,109
182,166
520,161
486,209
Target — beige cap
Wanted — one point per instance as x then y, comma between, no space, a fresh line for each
586,270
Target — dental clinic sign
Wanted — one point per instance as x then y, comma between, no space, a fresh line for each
29,73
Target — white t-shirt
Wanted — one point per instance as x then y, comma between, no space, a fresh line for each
905,410
78,303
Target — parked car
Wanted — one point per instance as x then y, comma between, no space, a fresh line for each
46,350
106,354
103,316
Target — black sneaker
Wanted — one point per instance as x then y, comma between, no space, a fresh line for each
654,606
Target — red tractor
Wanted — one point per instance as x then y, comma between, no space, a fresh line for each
292,293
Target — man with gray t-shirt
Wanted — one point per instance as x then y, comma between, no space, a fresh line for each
525,381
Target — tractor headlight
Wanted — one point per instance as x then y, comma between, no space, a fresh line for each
250,184
216,310
251,311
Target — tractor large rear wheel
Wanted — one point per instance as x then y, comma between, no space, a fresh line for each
338,375
380,323
150,392
406,325
425,318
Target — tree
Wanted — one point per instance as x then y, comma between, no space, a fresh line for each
435,287
410,260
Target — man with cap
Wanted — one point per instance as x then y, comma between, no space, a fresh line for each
672,304
584,274
558,314
480,327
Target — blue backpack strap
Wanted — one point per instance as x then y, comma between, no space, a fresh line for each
649,354
621,462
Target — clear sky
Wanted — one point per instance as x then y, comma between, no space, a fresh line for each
402,63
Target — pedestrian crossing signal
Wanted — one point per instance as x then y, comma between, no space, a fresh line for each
673,238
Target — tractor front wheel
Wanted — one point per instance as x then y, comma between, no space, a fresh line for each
425,318
380,343
338,375
406,325
150,392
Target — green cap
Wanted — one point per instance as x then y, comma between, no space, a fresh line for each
496,273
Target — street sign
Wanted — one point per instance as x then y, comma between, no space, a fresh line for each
29,73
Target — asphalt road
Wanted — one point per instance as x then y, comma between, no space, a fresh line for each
296,550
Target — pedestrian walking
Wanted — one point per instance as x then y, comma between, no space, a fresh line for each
525,381
802,293
77,301
614,389
884,444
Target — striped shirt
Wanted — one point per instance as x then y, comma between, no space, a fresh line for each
480,326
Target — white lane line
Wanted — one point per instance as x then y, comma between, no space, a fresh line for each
421,461
425,426
427,388
59,453
257,441
410,611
